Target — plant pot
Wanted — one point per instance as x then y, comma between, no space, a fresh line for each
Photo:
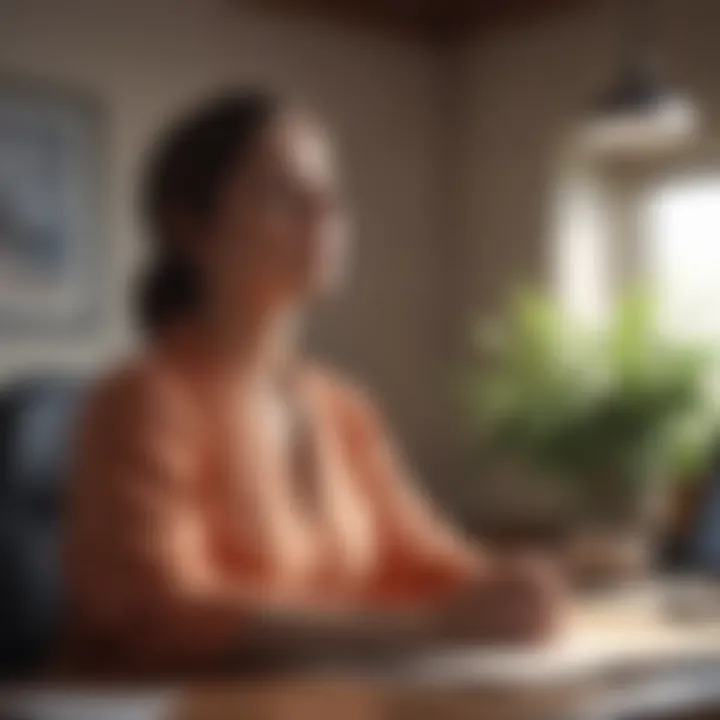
614,540
596,557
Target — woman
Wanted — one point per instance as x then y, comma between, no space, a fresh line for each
232,498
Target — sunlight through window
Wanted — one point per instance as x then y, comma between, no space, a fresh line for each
681,243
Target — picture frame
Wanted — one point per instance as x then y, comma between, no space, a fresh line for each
51,249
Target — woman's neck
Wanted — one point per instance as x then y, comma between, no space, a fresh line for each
253,342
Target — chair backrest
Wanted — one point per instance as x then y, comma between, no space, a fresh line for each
704,541
37,419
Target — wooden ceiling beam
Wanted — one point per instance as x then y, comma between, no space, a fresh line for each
424,20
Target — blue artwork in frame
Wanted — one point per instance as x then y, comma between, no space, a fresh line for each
49,209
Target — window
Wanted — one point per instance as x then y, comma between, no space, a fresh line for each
660,228
680,246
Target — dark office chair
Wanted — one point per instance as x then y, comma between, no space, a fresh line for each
37,419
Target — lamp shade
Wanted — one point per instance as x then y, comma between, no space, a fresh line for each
639,114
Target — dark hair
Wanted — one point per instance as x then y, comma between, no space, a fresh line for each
185,176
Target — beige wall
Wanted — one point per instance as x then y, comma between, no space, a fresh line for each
144,59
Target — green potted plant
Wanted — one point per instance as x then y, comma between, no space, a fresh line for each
611,415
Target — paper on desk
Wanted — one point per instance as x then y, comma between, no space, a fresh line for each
599,639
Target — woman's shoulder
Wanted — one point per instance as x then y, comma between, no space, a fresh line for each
142,387
136,427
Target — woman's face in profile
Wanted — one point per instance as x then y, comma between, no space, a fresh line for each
279,229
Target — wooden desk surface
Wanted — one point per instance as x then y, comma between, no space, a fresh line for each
613,653
617,653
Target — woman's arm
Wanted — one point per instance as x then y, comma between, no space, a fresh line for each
429,561
424,553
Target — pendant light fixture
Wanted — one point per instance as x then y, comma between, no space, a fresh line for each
639,114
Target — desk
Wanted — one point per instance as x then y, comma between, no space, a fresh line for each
616,657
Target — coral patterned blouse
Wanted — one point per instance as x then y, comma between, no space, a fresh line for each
186,515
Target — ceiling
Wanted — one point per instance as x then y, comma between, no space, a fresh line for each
430,20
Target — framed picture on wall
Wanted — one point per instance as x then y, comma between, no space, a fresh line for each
50,246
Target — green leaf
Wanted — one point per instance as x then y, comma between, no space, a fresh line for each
590,404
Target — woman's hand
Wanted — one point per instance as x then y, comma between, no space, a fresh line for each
512,601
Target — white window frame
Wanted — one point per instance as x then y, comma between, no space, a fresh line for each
619,188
